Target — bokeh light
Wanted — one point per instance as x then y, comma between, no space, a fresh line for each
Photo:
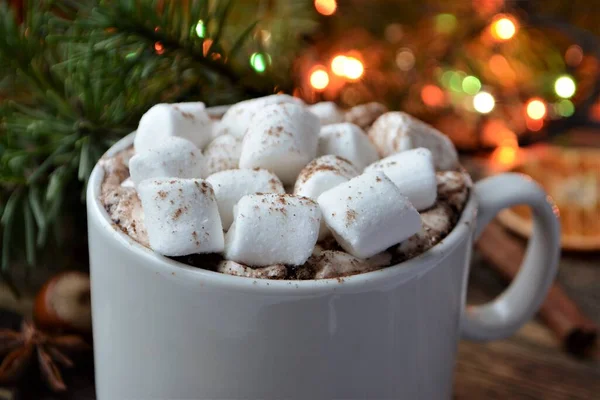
394,33
350,67
496,133
505,155
536,109
326,7
258,62
471,85
200,29
405,59
565,87
353,68
574,55
484,102
432,96
445,23
319,78
503,27
565,108
338,65
455,82
159,48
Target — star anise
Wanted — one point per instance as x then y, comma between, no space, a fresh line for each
51,350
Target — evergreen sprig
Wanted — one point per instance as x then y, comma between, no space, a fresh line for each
77,75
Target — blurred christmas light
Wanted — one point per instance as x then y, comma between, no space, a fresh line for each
432,96
503,27
445,23
534,124
495,133
353,68
319,78
446,78
484,102
564,108
536,109
565,87
499,66
206,46
405,59
326,7
200,29
456,80
265,37
338,65
394,33
471,85
258,62
505,155
159,48
487,6
347,66
574,55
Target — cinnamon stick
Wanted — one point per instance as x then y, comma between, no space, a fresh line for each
575,330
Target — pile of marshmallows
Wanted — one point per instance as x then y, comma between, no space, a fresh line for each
339,185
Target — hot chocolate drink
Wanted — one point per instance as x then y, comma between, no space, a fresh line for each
275,189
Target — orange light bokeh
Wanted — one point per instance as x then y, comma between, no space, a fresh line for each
505,155
534,125
338,65
319,78
353,68
536,109
504,27
500,67
347,66
495,133
433,96
326,7
159,48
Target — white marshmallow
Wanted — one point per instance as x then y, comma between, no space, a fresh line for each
277,271
413,172
336,264
364,115
322,174
397,131
128,183
348,141
237,118
181,216
282,138
273,229
187,120
231,185
327,112
173,157
368,214
222,153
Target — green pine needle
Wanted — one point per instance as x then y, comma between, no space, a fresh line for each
77,75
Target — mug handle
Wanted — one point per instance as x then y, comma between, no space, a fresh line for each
520,301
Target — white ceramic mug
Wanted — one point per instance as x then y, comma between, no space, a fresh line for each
164,330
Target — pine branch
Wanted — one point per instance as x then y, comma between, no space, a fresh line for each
77,75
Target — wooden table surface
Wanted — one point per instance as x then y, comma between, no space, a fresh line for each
531,364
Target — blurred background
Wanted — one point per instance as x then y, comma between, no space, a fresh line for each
515,84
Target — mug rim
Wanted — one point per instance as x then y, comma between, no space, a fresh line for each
188,274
